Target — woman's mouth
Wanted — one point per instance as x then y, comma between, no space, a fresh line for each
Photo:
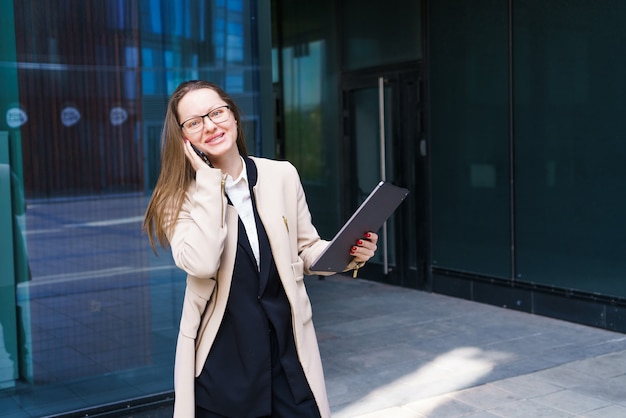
214,139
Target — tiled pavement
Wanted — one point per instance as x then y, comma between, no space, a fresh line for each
387,351
400,353
394,352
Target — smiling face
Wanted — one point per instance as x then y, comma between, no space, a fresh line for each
217,140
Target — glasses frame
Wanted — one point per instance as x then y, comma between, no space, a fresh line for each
207,115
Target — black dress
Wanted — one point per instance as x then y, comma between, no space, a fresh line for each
254,353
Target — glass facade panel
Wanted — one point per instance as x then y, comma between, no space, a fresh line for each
373,35
469,127
84,89
570,59
309,96
12,250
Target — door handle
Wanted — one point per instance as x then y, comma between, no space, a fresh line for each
383,167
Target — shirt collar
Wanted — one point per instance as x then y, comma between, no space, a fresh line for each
243,176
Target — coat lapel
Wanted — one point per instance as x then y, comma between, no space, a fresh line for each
264,248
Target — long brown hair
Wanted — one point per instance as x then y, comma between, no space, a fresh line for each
176,171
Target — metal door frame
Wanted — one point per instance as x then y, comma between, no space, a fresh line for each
410,164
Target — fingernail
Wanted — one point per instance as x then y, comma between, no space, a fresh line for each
359,242
353,249
368,235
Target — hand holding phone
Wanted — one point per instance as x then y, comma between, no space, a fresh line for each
201,155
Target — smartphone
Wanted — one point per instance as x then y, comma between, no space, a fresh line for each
202,155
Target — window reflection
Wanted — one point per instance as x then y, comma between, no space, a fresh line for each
304,117
98,310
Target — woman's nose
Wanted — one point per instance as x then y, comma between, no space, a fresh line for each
209,125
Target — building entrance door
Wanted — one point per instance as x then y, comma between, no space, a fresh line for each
382,133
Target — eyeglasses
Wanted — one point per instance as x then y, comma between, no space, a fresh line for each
195,124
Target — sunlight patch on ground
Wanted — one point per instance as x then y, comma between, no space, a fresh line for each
455,370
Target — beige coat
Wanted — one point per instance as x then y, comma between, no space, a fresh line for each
204,243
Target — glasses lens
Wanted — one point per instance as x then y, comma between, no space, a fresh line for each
193,125
219,115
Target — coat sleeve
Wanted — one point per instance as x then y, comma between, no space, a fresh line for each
197,240
197,243
309,243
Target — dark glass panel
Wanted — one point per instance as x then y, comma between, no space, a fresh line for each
308,97
469,127
570,60
375,34
98,311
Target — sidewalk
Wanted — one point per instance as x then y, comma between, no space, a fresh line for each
396,352
392,352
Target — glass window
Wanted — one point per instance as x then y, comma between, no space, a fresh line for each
303,107
470,136
370,39
98,311
570,59
309,101
12,205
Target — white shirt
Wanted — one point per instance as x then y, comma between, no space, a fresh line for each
238,192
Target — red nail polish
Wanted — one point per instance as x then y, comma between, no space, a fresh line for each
353,249
359,242
368,235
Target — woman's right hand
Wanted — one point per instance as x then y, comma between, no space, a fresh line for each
194,159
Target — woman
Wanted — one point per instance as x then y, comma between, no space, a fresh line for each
240,228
